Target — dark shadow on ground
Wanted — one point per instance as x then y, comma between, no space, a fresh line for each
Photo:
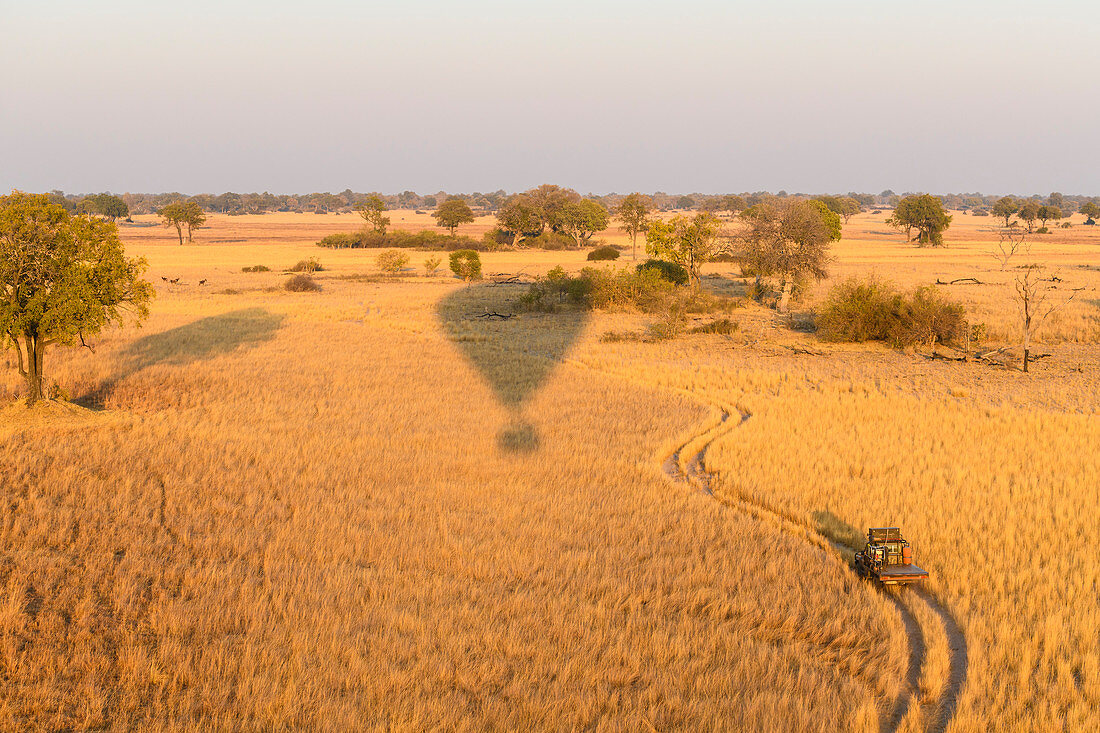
199,340
514,355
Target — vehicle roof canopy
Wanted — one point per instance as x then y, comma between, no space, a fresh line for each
875,535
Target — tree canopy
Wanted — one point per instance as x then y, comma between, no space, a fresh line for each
62,278
581,219
633,211
522,216
1029,212
183,215
371,209
687,241
104,204
788,238
453,212
925,214
1004,208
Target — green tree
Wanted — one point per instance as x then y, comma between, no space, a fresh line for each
1057,199
788,238
925,214
1004,208
1049,213
633,211
183,215
1029,212
452,213
371,209
582,219
104,204
687,241
685,202
552,201
522,216
733,204
1091,211
62,278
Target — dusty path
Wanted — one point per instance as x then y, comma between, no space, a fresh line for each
692,470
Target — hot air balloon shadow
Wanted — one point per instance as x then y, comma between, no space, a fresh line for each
515,355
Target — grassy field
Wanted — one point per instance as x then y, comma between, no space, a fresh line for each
367,508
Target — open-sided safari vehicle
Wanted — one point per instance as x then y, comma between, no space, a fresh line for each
888,558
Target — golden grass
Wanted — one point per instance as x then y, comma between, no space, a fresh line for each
316,511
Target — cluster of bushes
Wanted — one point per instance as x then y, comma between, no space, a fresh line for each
871,309
256,268
311,265
426,239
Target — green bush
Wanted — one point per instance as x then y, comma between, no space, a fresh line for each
301,284
466,263
426,239
310,265
340,241
606,252
392,261
873,310
1042,230
667,271
552,241
256,268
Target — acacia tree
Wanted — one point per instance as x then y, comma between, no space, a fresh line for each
633,212
788,238
1049,213
690,242
371,210
1005,207
582,219
1029,212
925,214
520,215
453,212
62,278
1090,210
183,215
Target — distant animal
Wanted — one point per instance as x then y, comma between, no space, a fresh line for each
174,281
202,282
164,279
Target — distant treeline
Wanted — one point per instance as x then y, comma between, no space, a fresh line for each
490,203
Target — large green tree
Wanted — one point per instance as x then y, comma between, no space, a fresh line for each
582,219
522,216
1048,212
788,238
1005,207
371,209
1029,212
633,211
1090,210
925,214
62,278
453,212
687,241
183,215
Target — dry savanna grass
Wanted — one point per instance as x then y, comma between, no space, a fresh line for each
366,508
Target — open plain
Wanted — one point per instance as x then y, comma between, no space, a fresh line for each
365,507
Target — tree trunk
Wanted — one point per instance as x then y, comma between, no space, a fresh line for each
516,239
179,233
33,374
634,247
785,298
1027,336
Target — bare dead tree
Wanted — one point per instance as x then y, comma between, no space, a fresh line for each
1036,302
1010,244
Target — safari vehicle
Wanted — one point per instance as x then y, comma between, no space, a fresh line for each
888,558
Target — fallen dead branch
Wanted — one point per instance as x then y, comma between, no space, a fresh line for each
958,280
488,315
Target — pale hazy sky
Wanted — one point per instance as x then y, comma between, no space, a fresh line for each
601,95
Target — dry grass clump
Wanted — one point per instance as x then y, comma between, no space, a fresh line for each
256,268
871,309
308,265
301,284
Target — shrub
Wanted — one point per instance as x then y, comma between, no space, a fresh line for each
256,268
872,310
426,239
667,271
553,241
466,263
392,261
1066,225
311,265
1042,230
432,264
606,252
301,284
722,326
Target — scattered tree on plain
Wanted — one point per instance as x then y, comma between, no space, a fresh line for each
1049,213
788,238
183,215
925,214
1029,212
466,263
582,219
522,216
62,278
1091,212
690,242
1036,299
685,202
452,213
1005,207
372,210
633,212
392,261
105,204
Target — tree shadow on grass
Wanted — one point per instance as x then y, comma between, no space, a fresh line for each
201,340
514,355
